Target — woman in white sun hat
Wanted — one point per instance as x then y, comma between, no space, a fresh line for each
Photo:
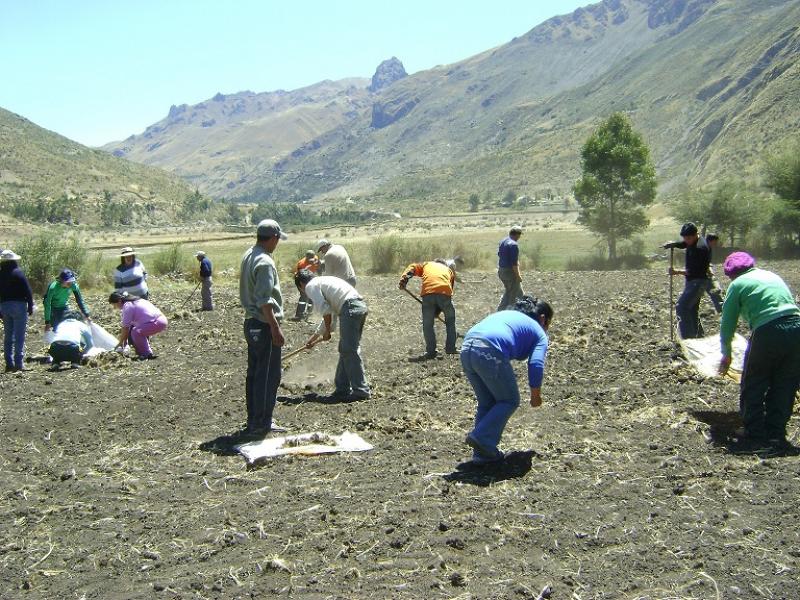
130,275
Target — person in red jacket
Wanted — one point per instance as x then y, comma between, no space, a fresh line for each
310,263
438,281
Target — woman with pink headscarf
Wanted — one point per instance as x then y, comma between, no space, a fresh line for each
771,374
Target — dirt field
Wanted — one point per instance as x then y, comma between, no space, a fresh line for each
118,480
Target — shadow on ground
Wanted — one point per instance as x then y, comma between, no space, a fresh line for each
722,433
319,399
515,465
224,445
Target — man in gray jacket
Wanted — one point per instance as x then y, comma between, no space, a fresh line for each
260,296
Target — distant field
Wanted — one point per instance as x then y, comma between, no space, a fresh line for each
551,238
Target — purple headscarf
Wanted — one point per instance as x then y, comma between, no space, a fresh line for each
737,263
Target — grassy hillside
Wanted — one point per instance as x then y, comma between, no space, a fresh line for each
37,164
223,144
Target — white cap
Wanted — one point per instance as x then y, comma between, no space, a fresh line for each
7,255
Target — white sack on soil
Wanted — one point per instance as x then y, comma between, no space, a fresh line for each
704,354
103,341
307,444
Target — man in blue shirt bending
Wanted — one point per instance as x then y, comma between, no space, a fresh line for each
508,268
486,355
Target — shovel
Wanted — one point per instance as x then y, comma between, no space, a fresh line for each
671,294
299,350
190,296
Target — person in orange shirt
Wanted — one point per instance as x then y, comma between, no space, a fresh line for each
438,281
309,262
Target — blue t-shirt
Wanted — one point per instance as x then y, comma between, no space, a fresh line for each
517,337
508,253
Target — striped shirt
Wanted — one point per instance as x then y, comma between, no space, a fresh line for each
131,278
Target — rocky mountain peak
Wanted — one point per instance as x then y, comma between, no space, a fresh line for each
387,73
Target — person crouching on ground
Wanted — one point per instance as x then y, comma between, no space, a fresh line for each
486,353
16,305
57,296
205,281
771,373
438,281
140,321
73,338
331,297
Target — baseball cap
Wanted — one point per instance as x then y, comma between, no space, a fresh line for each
127,251
66,276
322,243
515,229
269,228
199,253
689,229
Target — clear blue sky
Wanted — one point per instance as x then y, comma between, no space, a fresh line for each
100,70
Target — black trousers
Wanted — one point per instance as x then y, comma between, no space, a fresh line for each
263,373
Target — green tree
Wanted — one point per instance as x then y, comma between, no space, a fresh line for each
618,180
729,208
474,202
783,178
508,199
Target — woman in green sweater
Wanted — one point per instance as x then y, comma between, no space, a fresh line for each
57,296
771,374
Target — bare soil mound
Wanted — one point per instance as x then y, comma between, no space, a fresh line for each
119,479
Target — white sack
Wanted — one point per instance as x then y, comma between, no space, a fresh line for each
306,444
101,338
704,354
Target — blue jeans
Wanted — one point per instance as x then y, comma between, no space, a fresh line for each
430,304
687,308
495,385
512,287
15,320
350,377
263,374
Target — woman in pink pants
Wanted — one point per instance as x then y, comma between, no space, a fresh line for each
140,320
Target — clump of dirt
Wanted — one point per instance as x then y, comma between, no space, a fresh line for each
121,481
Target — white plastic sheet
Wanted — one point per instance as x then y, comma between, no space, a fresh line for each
704,354
101,337
306,444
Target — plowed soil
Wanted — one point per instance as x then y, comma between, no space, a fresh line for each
119,479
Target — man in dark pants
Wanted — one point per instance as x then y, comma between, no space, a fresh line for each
771,374
260,295
698,261
508,268
205,281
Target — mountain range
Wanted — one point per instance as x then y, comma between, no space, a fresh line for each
711,84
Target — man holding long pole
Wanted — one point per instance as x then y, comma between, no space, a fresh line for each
698,261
